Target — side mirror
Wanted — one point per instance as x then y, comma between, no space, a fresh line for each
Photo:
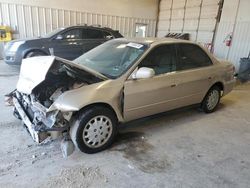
143,73
59,37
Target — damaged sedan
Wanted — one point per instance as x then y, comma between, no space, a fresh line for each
121,80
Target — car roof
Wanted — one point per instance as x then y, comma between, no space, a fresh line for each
153,41
89,26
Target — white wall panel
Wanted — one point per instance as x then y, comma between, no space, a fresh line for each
178,4
237,22
190,25
204,37
177,14
207,24
165,14
29,21
210,2
127,8
209,11
240,44
165,5
176,26
193,3
163,25
192,12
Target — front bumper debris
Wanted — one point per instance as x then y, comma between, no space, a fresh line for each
36,135
39,122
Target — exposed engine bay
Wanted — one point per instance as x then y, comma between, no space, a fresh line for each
32,108
58,80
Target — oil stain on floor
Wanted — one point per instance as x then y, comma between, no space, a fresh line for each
136,148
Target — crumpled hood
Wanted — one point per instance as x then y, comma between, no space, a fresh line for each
34,70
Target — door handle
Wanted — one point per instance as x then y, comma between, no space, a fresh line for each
173,85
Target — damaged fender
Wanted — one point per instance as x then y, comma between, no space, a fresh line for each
74,100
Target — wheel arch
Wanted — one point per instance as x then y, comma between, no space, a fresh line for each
98,104
218,84
34,50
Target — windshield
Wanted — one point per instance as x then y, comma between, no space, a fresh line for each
112,58
50,34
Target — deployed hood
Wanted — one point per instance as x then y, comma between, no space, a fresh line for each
34,70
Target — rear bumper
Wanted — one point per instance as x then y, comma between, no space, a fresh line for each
36,135
228,86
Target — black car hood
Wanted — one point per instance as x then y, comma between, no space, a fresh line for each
26,40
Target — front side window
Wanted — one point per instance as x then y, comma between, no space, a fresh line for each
112,58
191,56
72,34
52,33
162,59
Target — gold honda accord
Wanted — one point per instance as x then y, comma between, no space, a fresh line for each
85,100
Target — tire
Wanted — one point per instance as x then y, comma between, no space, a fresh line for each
211,100
34,53
99,136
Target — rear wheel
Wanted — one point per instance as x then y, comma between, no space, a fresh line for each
211,100
94,130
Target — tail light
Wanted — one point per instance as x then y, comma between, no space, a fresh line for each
231,71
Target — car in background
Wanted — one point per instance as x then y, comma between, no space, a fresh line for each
116,82
68,43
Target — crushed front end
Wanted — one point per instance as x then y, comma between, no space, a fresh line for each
42,81
38,121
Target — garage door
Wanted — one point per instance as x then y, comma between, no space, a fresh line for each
196,17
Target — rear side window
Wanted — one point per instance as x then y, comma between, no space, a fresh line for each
72,34
93,34
107,35
191,56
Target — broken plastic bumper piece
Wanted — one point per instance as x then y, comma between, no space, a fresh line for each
36,135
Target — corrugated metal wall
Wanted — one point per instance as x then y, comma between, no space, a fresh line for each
29,21
197,17
237,23
240,44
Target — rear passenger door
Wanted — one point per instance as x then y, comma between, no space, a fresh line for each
94,37
195,73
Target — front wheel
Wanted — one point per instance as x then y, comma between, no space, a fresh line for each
94,130
211,100
34,54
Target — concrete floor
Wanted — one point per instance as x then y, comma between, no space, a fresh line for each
184,148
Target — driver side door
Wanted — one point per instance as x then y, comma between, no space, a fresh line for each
144,97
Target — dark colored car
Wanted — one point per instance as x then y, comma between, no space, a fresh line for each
68,43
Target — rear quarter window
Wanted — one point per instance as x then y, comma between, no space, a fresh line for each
107,35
